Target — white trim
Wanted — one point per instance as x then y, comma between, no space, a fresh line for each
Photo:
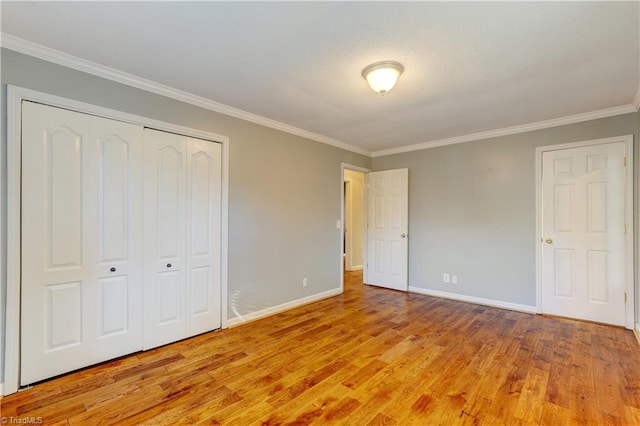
36,50
2,239
555,122
12,302
254,316
473,299
355,268
224,237
42,52
538,235
347,224
636,332
365,248
15,96
26,47
343,167
630,221
628,218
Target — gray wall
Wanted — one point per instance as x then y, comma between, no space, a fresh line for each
472,209
284,194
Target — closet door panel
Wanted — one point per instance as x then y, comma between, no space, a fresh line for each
115,294
170,203
57,269
164,237
119,224
169,298
63,185
203,236
114,198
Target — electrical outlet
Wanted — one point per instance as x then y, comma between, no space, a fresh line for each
445,278
304,282
454,279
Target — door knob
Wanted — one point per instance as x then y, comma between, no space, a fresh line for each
548,241
168,265
112,269
403,235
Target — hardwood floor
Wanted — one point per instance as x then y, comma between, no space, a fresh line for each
368,357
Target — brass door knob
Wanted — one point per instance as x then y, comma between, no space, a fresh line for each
403,235
548,241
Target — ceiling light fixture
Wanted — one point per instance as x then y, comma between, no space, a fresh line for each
382,76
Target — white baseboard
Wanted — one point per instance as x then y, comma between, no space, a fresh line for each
636,332
477,300
355,268
1,389
253,316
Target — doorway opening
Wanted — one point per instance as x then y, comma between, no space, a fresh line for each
354,219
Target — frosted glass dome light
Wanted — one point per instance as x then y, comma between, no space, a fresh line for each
382,76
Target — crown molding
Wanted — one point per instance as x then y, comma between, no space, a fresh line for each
26,47
571,119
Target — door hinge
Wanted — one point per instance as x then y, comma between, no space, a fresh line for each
625,297
625,230
624,162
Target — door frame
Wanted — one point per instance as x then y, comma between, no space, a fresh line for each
343,167
346,224
15,96
628,218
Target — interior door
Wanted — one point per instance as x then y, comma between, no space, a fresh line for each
165,161
583,254
204,186
81,250
387,228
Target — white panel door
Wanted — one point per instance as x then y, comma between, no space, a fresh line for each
119,264
80,241
583,222
387,226
204,187
165,162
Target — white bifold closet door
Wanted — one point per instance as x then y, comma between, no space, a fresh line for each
81,241
181,237
120,239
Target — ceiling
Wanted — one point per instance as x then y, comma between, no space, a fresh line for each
469,67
